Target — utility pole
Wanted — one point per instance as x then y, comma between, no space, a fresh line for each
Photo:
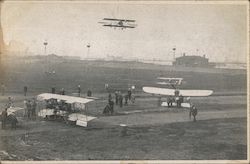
45,54
174,49
45,47
88,46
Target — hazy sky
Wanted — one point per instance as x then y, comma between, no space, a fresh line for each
219,31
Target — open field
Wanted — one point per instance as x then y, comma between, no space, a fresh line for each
93,75
211,139
153,132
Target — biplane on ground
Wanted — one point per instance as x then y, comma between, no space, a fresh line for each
67,108
175,97
118,23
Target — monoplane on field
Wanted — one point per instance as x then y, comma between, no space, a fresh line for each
67,108
175,95
118,23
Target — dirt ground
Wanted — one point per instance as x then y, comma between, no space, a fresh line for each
210,139
153,133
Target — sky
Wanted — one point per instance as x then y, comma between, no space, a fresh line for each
217,30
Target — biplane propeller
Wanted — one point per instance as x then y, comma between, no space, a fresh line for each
118,23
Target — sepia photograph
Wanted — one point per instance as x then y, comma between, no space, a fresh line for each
124,81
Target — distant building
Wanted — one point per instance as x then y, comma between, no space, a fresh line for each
192,61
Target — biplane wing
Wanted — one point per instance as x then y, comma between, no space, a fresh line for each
67,99
167,78
80,119
123,26
170,81
171,92
124,20
78,116
184,105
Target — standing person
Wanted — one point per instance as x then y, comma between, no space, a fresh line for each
171,98
62,91
116,97
4,118
169,101
29,110
126,99
10,102
111,104
3,89
129,94
190,111
177,100
89,93
181,99
53,90
33,112
25,107
107,109
132,98
159,101
120,100
25,90
194,112
110,97
79,90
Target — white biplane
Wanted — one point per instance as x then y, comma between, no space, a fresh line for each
174,93
72,111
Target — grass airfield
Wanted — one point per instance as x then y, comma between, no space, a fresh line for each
154,132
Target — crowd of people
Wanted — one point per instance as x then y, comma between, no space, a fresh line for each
30,108
179,99
119,100
175,99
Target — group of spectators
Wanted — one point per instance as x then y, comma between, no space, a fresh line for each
175,99
30,108
119,99
127,97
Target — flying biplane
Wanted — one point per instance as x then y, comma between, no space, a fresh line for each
67,108
177,95
118,23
